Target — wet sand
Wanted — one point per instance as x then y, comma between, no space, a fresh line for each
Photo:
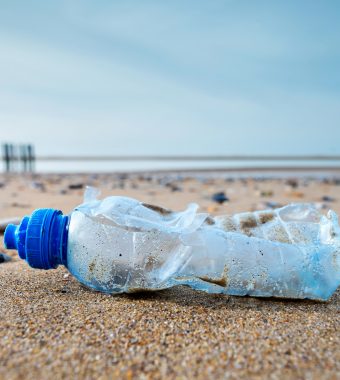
52,327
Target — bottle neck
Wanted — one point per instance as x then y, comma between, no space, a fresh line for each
56,242
40,239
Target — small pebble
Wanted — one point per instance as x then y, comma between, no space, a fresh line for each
327,198
123,176
273,204
267,193
75,186
4,258
220,197
293,183
173,187
19,205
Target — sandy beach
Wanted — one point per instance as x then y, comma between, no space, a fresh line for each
52,327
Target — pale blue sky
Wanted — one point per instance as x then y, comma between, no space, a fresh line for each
171,77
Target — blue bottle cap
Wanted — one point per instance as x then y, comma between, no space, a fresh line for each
40,239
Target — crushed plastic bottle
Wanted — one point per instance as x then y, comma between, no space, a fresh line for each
119,244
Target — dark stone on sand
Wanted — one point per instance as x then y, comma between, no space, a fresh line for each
327,198
273,204
4,258
220,197
267,193
123,176
173,187
293,183
76,186
19,205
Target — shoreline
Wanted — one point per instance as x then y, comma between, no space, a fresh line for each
270,172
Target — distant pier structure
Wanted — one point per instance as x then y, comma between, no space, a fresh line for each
18,158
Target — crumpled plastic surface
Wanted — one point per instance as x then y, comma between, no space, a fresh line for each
133,215
119,244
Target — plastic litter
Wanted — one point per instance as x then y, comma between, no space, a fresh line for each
119,244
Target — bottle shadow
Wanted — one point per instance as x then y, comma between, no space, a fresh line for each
185,296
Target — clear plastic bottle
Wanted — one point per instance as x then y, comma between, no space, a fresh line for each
122,245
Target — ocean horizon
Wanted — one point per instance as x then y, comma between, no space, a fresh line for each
139,164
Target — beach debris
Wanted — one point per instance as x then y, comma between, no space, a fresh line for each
119,244
19,205
220,197
327,198
296,194
5,222
272,204
230,180
293,183
173,186
4,258
123,176
267,193
76,186
38,185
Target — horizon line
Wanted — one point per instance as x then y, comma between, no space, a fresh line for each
191,158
